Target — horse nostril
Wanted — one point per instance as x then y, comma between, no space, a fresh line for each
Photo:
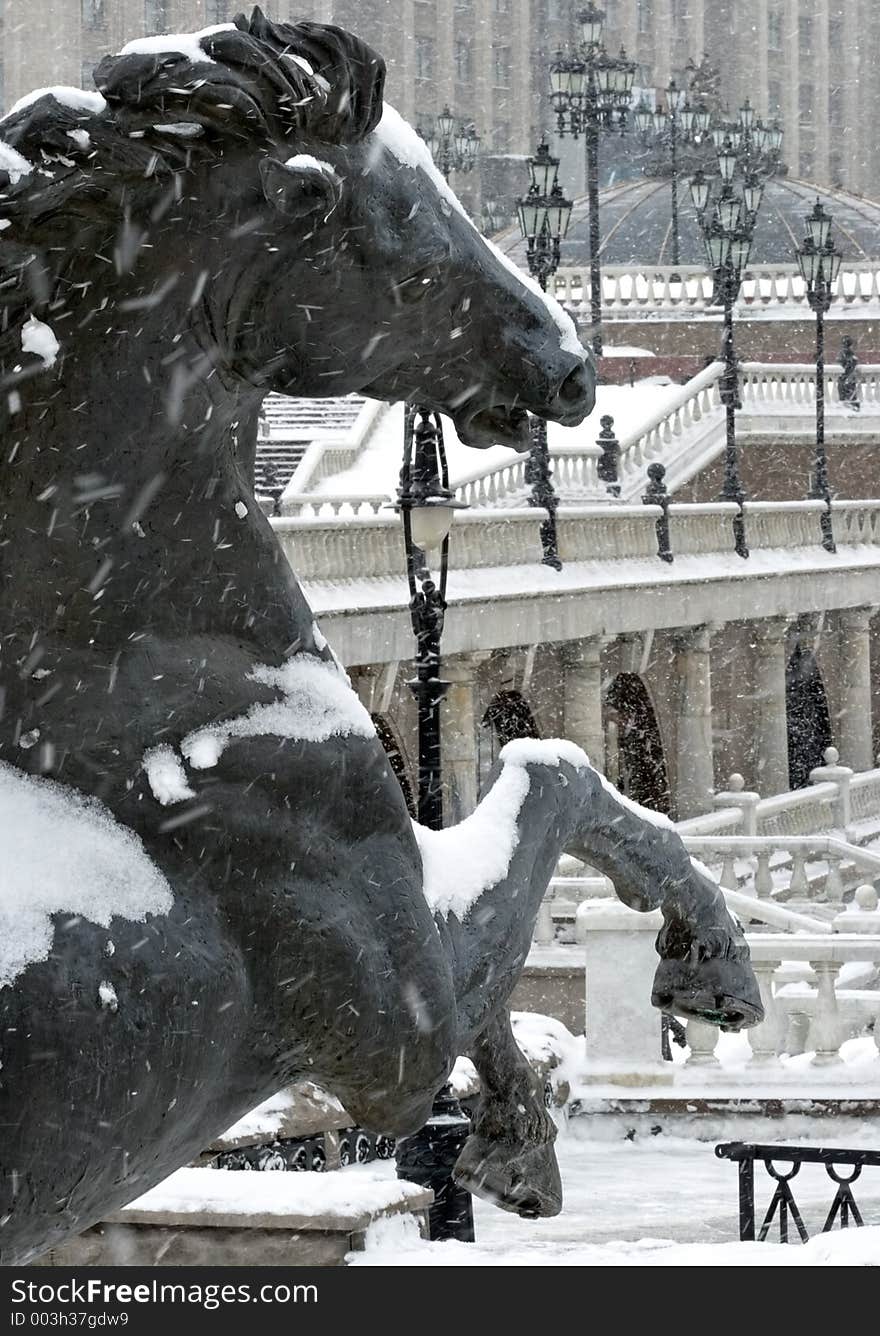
576,387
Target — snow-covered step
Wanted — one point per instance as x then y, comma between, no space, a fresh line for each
208,1217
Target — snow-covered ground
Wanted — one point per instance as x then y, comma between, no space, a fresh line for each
662,1201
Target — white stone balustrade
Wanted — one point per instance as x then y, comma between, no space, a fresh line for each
817,1015
338,546
629,292
777,398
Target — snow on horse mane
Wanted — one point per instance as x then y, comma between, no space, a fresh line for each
65,854
187,44
462,862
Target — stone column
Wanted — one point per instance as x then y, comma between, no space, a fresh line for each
694,768
458,747
582,698
770,717
853,722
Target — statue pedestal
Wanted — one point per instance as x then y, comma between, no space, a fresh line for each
622,1028
209,1217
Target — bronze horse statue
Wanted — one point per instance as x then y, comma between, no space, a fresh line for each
211,886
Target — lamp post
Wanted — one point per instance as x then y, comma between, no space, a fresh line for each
819,263
544,215
426,505
454,146
727,227
678,123
590,92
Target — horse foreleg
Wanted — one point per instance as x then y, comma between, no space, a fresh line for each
486,877
509,1157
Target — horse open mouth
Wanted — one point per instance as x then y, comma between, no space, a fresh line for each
495,426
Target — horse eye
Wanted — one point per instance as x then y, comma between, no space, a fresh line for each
414,288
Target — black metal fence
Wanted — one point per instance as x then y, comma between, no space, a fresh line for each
843,1167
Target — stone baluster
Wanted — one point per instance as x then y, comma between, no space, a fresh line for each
834,882
799,885
825,1029
766,1039
763,875
728,871
702,1040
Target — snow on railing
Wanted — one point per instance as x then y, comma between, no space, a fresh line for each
690,426
629,291
334,538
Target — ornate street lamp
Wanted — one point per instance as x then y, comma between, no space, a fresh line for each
544,215
590,92
426,506
679,123
819,263
454,147
728,228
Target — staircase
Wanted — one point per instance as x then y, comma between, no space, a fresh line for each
288,428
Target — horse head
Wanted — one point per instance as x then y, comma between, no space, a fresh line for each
336,257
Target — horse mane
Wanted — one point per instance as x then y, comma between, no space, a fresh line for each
88,173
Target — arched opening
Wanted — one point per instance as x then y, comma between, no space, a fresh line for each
508,714
809,719
636,761
396,760
507,717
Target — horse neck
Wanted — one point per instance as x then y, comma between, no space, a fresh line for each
122,460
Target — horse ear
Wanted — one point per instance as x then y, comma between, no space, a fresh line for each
300,187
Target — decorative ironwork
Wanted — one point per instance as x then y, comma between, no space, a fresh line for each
544,215
819,263
848,380
783,1205
426,504
308,1154
747,152
454,147
590,92
609,461
656,494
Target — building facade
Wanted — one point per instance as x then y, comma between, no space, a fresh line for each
813,63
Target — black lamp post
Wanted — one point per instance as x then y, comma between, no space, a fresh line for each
590,92
544,214
819,263
728,227
677,124
454,147
426,505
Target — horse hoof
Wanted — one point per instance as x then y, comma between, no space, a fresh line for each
720,991
518,1178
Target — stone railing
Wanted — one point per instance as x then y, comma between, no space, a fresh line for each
689,427
787,869
334,545
631,291
818,989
